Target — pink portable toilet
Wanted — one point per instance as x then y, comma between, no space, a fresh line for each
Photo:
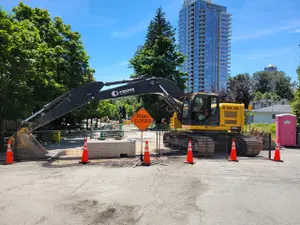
286,129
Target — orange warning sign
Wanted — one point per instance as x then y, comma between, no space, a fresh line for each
142,119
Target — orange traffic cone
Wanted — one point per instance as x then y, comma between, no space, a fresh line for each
85,157
189,157
233,152
147,161
277,152
9,154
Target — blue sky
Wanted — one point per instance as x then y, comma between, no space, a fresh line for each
263,31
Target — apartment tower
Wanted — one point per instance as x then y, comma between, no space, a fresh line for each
204,39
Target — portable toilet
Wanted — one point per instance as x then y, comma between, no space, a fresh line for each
286,129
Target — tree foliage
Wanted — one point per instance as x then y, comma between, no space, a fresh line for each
262,85
159,58
240,86
276,82
131,105
238,90
40,58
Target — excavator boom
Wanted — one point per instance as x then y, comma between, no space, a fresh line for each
85,93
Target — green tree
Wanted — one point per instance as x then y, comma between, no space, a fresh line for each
105,108
159,58
40,58
257,96
240,88
274,82
261,82
61,62
18,44
296,102
270,96
131,105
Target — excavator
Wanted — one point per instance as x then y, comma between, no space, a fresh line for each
198,117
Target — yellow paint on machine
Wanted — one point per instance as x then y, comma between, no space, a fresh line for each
231,115
196,127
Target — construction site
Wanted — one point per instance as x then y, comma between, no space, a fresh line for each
201,169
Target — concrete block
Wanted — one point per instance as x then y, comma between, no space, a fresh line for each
111,148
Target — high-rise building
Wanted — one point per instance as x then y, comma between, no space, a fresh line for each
204,39
270,68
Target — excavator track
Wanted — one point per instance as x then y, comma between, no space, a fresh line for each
203,146
206,146
248,146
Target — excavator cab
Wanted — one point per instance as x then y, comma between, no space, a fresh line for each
201,109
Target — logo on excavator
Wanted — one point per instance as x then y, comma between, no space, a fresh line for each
122,92
114,93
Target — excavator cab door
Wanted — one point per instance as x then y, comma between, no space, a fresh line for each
201,110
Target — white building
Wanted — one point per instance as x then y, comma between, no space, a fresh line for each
269,102
268,114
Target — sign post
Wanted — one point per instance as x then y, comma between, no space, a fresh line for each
142,120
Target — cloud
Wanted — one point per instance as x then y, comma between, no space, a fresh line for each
290,25
295,31
130,31
257,56
101,22
123,63
266,53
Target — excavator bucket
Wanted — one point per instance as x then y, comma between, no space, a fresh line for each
27,146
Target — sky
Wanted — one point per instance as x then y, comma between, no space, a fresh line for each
263,31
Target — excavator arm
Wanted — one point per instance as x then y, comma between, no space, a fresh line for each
85,93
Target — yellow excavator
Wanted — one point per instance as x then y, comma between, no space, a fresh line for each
199,117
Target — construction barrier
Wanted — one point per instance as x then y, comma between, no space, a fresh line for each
147,161
85,154
233,152
9,154
277,156
127,122
189,157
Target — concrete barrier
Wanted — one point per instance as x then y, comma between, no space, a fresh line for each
111,149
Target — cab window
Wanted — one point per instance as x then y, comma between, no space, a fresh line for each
185,110
205,110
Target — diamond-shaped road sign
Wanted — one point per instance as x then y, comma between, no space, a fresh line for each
142,119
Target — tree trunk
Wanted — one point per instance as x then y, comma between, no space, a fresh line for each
87,123
2,135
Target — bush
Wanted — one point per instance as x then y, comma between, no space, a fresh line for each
265,127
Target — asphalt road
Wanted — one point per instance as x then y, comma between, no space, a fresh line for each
251,191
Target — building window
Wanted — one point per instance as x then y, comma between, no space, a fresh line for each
273,116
